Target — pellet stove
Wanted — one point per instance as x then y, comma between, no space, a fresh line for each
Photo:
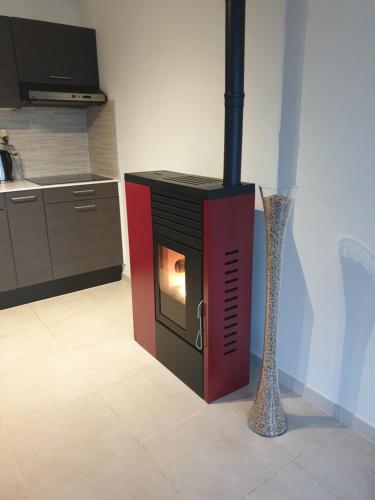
190,240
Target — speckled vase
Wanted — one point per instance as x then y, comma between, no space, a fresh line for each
266,416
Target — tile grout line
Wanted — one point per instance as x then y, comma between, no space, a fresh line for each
141,441
169,481
267,480
316,480
91,468
15,461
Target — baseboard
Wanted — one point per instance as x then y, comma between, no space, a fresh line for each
333,409
60,286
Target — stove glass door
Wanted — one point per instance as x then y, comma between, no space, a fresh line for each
172,285
178,287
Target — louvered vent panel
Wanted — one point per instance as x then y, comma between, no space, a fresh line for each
178,218
231,270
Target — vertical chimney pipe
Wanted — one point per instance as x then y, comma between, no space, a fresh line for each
234,90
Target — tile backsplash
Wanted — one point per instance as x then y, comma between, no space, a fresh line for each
50,141
101,130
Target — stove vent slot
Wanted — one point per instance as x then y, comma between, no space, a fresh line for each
231,268
194,180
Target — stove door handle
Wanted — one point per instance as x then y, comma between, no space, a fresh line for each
200,316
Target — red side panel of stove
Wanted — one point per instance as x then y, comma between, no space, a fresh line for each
228,244
138,202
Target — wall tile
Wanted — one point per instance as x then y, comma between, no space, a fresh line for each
51,141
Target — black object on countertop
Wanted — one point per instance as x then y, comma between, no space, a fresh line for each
67,179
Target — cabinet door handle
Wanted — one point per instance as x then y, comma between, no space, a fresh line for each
84,192
23,199
60,77
85,208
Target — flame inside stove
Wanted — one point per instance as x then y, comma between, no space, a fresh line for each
172,273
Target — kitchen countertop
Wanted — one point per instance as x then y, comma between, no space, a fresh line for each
8,187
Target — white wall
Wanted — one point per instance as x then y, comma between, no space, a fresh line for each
163,64
329,338
327,324
59,11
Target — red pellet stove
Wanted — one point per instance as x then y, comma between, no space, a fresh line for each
190,241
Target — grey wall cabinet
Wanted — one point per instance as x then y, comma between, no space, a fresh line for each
84,235
8,279
29,237
9,89
55,54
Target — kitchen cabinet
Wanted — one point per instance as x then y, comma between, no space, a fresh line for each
84,235
55,54
9,89
58,240
29,236
8,279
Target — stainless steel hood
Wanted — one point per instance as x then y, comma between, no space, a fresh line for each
64,98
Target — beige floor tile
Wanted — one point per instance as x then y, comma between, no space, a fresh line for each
112,361
64,306
88,328
116,295
307,424
16,319
35,384
93,487
238,402
11,484
344,463
291,483
35,343
152,401
213,455
73,444
132,476
66,443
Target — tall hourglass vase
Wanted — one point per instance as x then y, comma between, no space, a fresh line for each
266,416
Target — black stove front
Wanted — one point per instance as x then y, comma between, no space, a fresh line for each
178,268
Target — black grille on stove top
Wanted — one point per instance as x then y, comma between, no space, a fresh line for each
194,180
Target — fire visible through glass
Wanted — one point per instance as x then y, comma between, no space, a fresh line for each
172,274
172,285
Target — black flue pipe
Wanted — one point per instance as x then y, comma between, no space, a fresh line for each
234,89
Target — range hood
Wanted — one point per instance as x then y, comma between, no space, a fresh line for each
56,64
63,97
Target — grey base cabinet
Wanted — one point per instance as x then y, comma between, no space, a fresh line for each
29,237
8,280
84,235
51,235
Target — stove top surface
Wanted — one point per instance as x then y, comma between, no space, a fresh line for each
67,179
195,185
